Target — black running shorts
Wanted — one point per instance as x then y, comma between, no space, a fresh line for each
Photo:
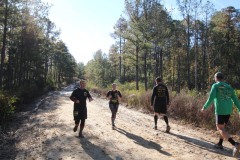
160,109
222,119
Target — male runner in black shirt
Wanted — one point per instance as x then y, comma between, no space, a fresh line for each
159,102
79,97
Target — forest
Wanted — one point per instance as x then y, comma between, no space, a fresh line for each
148,43
186,53
34,59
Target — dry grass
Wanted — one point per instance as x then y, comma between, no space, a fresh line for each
184,107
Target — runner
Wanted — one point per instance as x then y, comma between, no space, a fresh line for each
223,96
79,97
159,102
114,96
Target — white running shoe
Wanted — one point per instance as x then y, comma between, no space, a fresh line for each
236,150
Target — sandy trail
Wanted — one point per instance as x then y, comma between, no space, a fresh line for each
46,133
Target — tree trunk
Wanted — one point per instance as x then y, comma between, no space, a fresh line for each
188,53
178,74
157,60
145,70
120,60
137,67
4,41
161,63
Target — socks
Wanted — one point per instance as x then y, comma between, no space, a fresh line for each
231,141
220,142
113,119
165,119
155,120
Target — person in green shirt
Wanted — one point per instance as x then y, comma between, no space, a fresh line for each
223,96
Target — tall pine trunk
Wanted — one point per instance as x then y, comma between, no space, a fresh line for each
4,41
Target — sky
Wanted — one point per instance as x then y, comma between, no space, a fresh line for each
86,25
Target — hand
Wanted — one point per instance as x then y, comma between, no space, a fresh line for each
152,107
90,99
202,110
77,101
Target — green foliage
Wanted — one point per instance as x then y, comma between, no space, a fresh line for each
6,108
130,87
238,93
27,92
133,101
99,70
81,70
131,95
33,52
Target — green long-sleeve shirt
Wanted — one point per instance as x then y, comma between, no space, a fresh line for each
223,96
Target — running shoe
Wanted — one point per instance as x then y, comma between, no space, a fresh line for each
155,127
218,146
168,129
75,128
236,150
80,135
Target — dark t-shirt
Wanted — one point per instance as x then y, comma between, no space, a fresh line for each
81,108
114,98
160,95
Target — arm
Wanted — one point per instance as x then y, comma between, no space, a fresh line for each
89,97
167,94
153,96
210,98
119,95
109,95
73,98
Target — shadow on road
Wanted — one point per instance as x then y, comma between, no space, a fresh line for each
204,145
141,141
94,151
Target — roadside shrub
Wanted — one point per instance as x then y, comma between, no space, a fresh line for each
28,92
145,101
185,107
133,100
234,121
6,108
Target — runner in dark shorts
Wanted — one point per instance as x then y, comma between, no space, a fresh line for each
223,96
114,96
79,97
222,119
159,102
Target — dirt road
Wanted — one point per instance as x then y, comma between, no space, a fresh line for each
46,134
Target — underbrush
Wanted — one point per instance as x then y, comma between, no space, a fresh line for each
6,108
187,108
184,107
14,100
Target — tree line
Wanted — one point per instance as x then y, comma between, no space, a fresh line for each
32,53
185,52
148,43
